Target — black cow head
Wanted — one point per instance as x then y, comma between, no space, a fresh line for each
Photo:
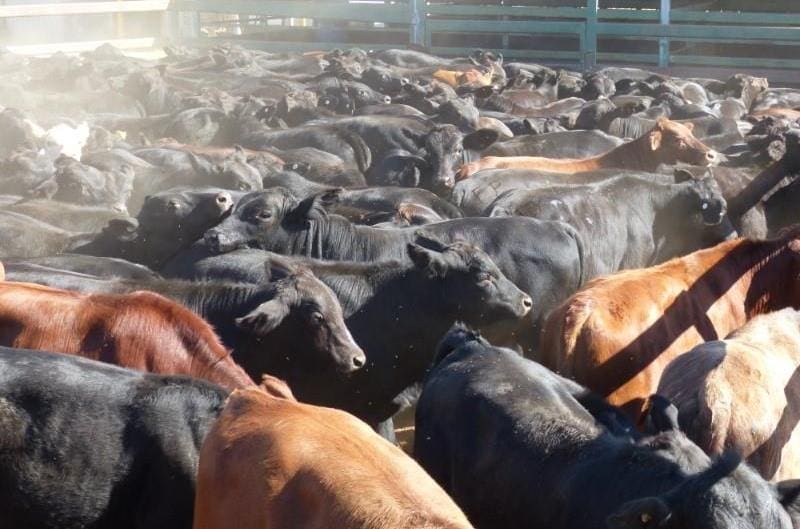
725,495
257,218
707,198
84,184
447,149
305,315
184,213
469,280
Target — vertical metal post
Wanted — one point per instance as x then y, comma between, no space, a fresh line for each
590,41
417,29
663,42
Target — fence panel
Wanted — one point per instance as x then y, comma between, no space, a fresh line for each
580,33
300,25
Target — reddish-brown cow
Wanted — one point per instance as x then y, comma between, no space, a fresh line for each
473,77
618,333
141,331
669,142
274,463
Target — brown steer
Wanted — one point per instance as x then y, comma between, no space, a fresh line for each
141,331
618,333
743,393
271,462
669,142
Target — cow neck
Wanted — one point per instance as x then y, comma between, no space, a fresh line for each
356,283
336,238
212,300
758,188
633,155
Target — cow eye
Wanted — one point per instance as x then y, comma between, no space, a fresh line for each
264,215
317,318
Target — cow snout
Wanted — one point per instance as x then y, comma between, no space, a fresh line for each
224,201
527,305
356,361
359,361
711,157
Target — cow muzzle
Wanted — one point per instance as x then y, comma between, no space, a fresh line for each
712,157
527,305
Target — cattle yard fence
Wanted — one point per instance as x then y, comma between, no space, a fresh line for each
583,33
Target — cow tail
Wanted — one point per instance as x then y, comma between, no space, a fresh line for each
361,150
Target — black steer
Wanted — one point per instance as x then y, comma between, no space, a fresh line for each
88,444
516,448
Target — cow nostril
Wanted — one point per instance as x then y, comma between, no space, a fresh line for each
711,156
222,199
359,361
404,81
527,302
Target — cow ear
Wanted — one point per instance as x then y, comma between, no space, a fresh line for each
279,267
661,415
480,139
265,318
429,261
655,140
646,513
199,165
238,154
314,207
682,175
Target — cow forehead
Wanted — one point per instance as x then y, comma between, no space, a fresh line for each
678,129
445,138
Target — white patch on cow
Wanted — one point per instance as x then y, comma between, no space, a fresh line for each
590,221
69,141
555,202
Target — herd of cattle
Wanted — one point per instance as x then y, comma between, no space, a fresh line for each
586,283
